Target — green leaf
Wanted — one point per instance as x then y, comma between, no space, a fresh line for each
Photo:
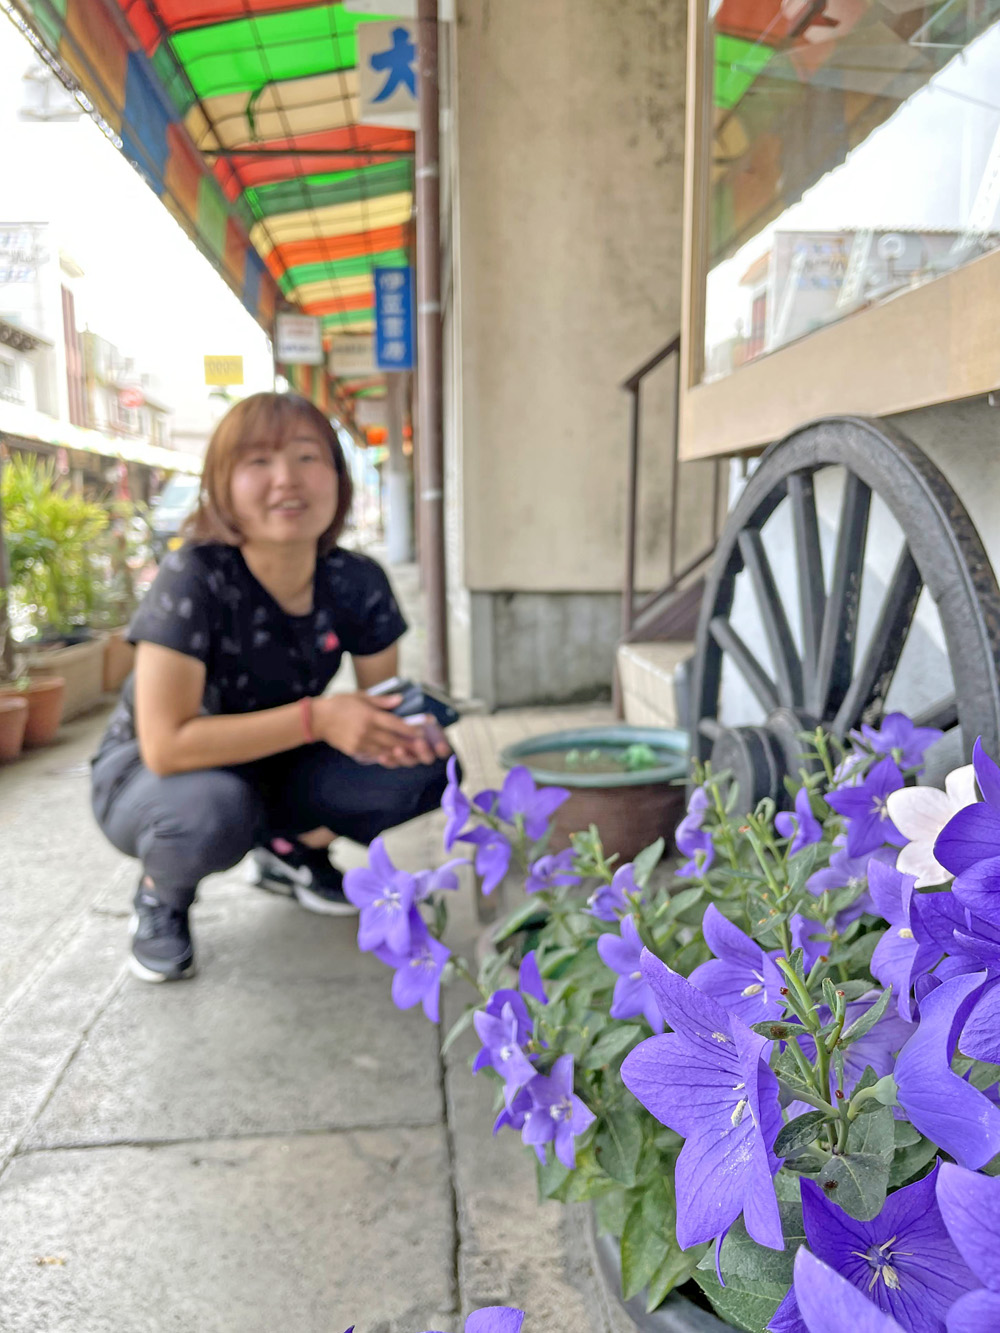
648,1237
756,1278
799,1133
457,1028
776,1029
615,1041
801,866
551,1176
618,1143
676,1268
853,990
529,912
647,861
867,1020
858,1179
911,1160
904,1135
611,1211
678,903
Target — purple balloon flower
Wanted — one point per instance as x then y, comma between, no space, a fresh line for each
826,1301
803,827
444,877
707,1081
384,896
535,805
843,872
691,840
906,951
864,808
969,844
970,1206
741,976
513,1117
495,1006
418,972
556,1114
610,902
632,997
501,1035
456,806
493,853
551,872
897,732
904,1259
530,979
495,1319
939,1102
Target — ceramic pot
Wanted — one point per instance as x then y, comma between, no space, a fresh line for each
13,720
44,698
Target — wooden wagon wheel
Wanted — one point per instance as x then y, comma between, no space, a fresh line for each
800,651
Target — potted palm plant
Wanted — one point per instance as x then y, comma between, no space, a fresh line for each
52,540
30,711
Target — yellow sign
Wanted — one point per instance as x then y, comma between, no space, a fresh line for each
223,370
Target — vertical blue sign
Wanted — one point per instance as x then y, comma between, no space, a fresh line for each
394,318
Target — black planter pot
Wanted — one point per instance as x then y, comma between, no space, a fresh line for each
676,1315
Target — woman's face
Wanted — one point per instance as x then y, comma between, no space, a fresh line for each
285,496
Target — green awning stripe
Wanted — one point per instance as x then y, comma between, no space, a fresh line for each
348,317
341,187
246,54
342,268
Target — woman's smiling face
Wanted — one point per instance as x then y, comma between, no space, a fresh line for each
285,495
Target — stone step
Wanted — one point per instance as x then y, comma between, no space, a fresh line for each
646,672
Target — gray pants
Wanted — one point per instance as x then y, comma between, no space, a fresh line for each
190,825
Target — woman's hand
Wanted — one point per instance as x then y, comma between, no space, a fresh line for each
366,728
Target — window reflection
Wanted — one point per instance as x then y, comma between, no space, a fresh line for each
856,154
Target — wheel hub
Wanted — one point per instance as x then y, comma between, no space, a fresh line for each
760,758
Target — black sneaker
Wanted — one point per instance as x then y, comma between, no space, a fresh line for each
303,873
161,940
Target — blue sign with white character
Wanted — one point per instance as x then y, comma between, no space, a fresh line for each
394,318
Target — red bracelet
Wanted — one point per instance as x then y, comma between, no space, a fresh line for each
306,709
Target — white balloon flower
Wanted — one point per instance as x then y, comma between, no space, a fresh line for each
920,813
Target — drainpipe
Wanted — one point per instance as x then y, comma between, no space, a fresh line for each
429,394
399,527
6,643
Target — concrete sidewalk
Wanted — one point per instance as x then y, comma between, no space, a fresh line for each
271,1145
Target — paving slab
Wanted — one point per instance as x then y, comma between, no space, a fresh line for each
229,1054
309,1234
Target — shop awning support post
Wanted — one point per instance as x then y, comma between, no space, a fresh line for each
429,360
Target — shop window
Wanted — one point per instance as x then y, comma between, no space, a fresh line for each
855,153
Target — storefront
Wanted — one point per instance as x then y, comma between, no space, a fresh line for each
842,237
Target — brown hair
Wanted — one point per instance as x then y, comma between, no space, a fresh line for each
263,419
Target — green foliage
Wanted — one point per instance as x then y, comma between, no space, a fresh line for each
50,537
846,1141
756,1278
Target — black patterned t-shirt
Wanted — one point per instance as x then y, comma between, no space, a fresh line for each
205,603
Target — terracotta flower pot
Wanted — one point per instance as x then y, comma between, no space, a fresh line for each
13,720
44,697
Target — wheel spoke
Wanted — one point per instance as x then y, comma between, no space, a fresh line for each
812,591
872,680
710,727
943,714
835,665
784,655
764,689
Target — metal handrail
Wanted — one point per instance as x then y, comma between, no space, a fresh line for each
631,613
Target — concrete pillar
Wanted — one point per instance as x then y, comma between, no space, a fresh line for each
399,524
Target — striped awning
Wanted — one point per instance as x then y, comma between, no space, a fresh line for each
243,117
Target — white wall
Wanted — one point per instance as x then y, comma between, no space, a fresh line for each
570,131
